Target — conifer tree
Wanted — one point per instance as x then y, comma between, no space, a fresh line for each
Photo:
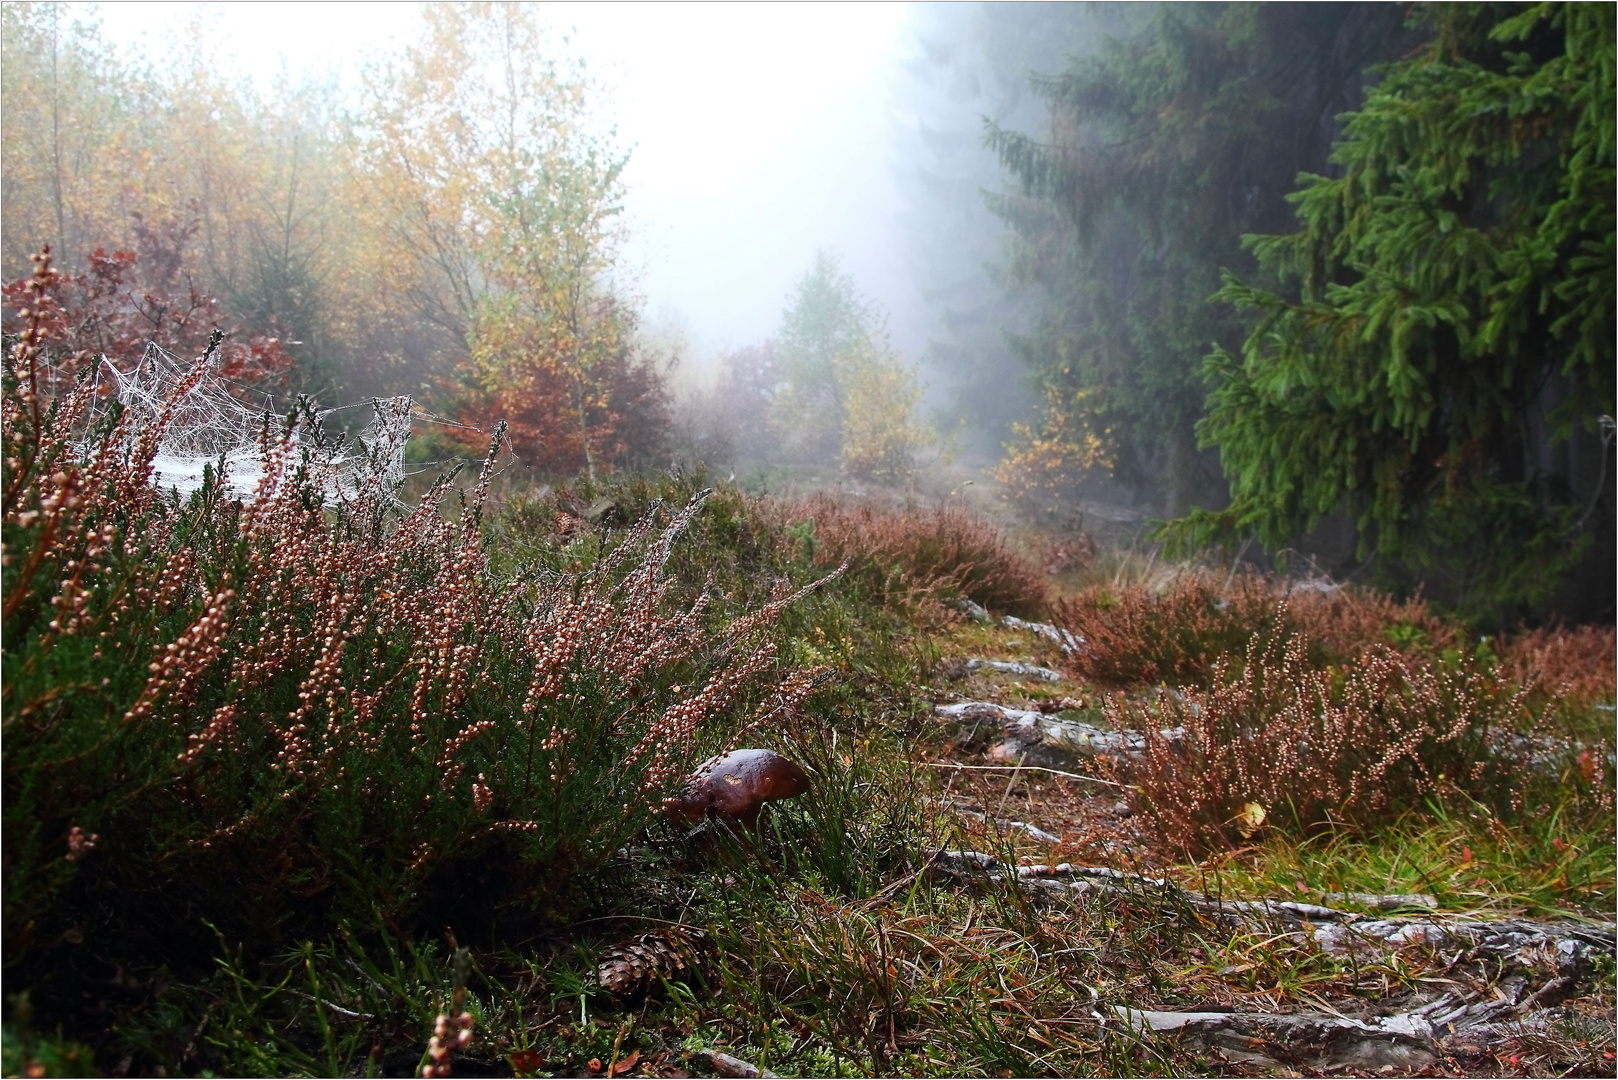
1442,354
972,61
1165,146
826,318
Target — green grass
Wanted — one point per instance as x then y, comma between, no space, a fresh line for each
1554,863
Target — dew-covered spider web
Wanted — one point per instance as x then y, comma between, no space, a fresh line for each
210,423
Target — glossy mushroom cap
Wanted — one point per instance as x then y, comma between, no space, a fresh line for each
735,786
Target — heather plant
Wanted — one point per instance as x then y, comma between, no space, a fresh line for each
1133,635
1344,620
1178,634
909,562
273,714
1279,740
1575,663
737,554
918,558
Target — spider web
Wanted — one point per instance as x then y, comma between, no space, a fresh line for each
209,424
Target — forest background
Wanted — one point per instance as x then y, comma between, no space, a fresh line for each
1405,382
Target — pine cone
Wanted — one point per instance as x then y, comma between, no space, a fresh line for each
636,966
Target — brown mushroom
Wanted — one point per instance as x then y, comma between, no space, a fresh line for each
735,787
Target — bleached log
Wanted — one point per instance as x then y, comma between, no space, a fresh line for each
1401,1042
1450,1024
1048,740
1383,901
1069,643
1016,667
1569,947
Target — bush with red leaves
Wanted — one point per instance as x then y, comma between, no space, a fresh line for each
124,300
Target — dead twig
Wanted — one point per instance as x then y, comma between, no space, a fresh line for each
1025,768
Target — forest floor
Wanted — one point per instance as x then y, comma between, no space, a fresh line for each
1397,951
982,878
1052,928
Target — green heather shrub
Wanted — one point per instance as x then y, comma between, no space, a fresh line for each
731,551
273,715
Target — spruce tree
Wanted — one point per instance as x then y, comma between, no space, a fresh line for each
1165,146
1444,330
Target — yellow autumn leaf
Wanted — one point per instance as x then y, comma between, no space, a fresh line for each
1250,820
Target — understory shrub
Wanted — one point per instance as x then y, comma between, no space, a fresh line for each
1179,634
1284,741
275,713
1575,663
915,558
911,561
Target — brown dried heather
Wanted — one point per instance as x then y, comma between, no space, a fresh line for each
1577,665
1134,636
1343,621
917,558
1176,635
1313,745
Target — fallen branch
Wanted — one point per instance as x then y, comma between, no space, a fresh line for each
338,1009
1383,901
1067,642
1048,740
1032,830
1572,946
1321,1041
1016,667
1025,768
1041,740
1405,1041
974,610
725,1065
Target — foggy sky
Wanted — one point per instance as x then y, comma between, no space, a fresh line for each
758,134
